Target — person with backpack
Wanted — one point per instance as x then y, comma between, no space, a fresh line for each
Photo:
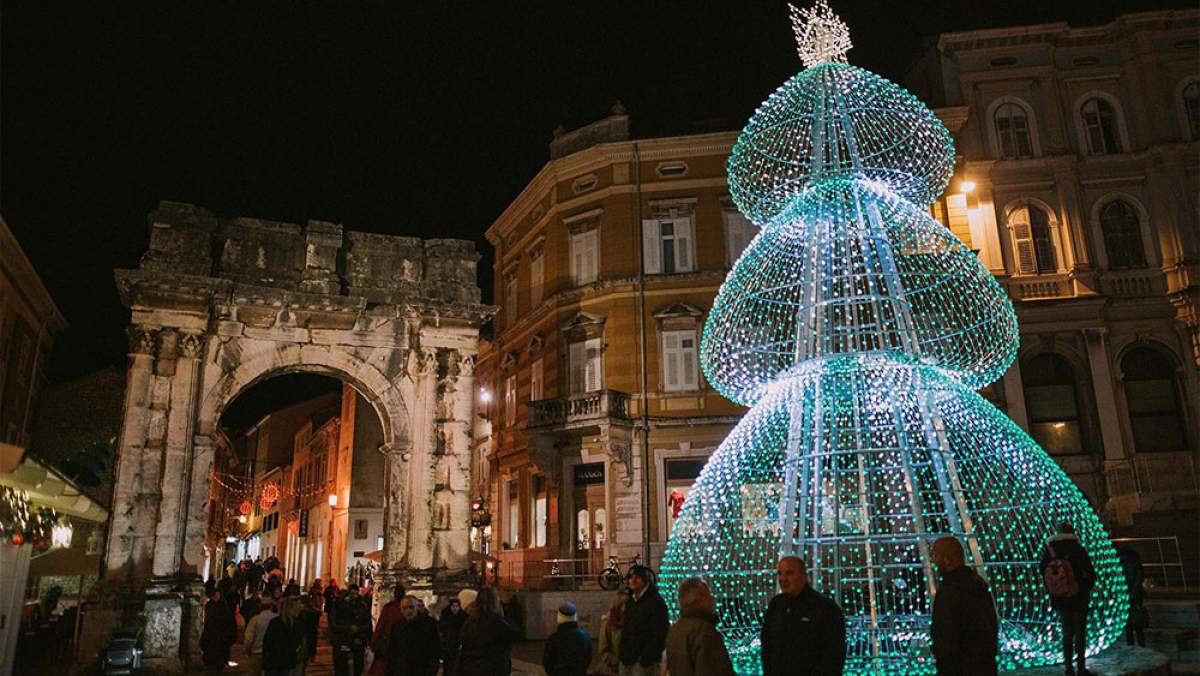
966,633
1069,576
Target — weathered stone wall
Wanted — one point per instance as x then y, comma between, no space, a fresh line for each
218,305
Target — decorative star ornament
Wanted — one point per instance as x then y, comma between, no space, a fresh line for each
821,36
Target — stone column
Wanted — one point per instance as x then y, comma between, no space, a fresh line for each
1014,395
395,508
125,540
183,360
453,542
421,476
1106,401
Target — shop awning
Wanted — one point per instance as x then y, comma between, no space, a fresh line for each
46,486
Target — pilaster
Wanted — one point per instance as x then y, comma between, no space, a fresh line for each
1014,395
1106,402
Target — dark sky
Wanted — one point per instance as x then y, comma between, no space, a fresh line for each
409,118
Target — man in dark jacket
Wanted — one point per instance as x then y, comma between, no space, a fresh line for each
350,632
646,623
803,632
569,649
966,633
1072,567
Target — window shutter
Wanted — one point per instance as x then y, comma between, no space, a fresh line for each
593,375
536,279
1026,257
578,359
592,253
683,244
650,244
687,358
535,381
671,361
577,259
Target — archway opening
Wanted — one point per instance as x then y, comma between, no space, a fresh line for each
296,493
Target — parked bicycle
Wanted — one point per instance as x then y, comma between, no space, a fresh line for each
613,577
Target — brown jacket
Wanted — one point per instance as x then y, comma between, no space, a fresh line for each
695,648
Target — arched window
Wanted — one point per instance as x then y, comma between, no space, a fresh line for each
1122,236
1052,404
1012,132
1100,125
1155,413
1191,108
1033,240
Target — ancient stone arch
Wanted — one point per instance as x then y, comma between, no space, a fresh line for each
219,305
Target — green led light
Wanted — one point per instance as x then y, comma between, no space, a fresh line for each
855,325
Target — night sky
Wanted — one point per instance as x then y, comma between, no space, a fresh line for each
385,117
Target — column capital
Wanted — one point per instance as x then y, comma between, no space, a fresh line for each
189,344
142,340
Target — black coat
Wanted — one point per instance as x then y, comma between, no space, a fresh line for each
966,634
218,634
450,632
1067,547
351,622
413,647
486,646
644,636
803,634
282,644
568,651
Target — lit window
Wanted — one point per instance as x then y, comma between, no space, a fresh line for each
1012,132
537,513
1052,404
584,256
1033,241
667,245
1122,236
510,400
679,361
514,515
1155,413
1100,125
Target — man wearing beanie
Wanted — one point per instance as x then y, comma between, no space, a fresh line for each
569,649
645,634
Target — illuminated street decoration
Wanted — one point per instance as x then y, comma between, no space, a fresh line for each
855,325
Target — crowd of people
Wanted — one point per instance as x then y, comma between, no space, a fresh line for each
803,631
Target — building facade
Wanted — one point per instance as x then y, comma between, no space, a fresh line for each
1076,186
1080,168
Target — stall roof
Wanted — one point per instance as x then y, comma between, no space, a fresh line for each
46,486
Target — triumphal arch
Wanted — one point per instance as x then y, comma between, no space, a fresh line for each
220,304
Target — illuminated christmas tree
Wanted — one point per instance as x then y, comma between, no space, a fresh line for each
855,326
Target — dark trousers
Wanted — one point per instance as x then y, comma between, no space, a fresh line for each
1074,634
343,655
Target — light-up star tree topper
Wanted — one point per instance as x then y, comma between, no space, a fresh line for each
855,326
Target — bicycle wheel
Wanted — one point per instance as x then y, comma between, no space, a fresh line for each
610,579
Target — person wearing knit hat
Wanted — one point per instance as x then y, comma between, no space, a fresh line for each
569,649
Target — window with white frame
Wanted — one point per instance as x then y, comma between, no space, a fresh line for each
511,297
585,254
585,366
1033,240
1100,126
667,244
537,278
1191,109
536,382
739,232
1012,132
680,361
510,400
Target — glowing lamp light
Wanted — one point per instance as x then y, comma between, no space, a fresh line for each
60,535
242,518
966,186
484,395
333,499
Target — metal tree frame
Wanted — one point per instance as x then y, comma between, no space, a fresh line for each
855,326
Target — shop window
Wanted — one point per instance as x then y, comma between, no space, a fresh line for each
680,474
1152,395
1053,404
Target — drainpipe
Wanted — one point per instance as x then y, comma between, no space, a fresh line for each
644,375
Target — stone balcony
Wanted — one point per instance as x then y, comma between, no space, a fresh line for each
579,410
1133,283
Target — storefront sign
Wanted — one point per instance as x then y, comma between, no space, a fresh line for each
590,473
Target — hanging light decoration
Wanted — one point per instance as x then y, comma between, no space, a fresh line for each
245,508
855,325
270,494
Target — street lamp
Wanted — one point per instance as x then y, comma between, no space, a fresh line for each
966,186
333,499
